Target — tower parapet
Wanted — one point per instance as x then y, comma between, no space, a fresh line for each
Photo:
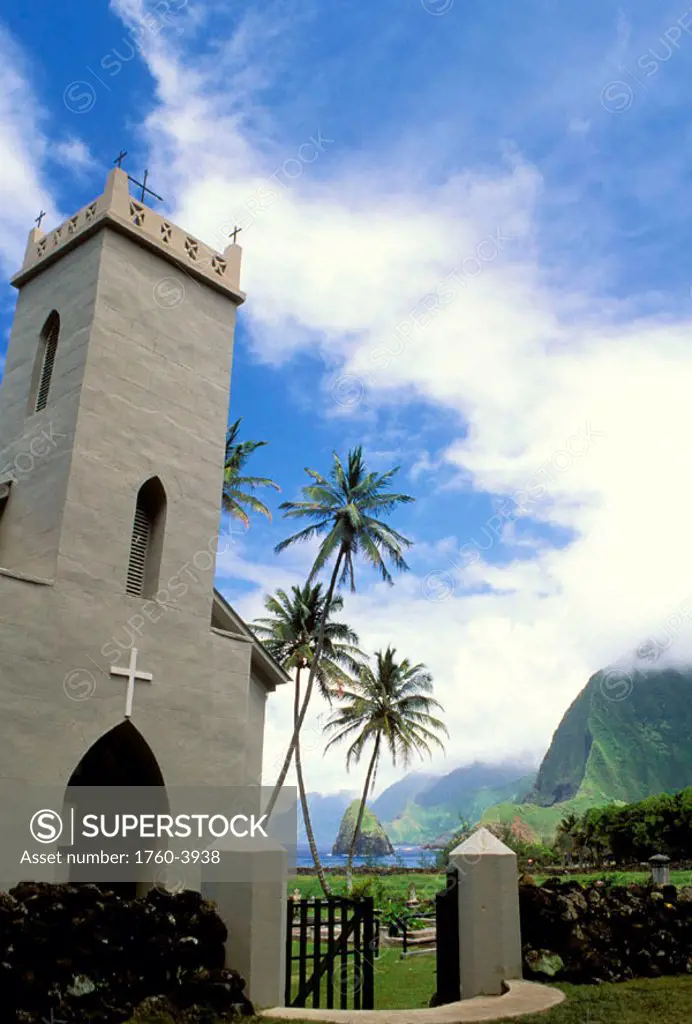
128,215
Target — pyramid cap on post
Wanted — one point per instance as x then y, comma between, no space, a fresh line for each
482,843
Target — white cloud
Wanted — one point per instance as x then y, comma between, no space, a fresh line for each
23,147
424,464
341,262
74,154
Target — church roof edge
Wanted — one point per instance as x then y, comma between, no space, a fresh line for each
262,659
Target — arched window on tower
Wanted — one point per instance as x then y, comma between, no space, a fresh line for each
146,546
44,362
5,487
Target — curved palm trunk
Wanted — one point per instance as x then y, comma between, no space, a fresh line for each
308,690
359,819
304,798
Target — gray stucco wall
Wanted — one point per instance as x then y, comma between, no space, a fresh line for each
138,389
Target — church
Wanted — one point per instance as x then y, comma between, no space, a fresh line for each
121,664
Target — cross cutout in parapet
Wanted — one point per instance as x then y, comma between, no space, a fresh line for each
145,189
132,676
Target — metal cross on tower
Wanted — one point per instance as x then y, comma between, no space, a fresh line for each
145,189
234,234
120,157
40,217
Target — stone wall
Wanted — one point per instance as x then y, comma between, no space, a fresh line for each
598,933
80,954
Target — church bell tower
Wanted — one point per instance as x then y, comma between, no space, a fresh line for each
115,400
113,414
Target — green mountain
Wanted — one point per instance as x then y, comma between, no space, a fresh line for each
393,801
420,808
623,749
468,788
372,839
627,736
624,738
542,820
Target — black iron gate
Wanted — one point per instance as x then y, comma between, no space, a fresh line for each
447,942
334,942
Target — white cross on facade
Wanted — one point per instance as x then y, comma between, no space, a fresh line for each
132,676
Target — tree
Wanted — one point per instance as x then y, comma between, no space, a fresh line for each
289,633
343,509
388,707
566,834
236,487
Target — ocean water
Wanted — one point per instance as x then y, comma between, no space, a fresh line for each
404,857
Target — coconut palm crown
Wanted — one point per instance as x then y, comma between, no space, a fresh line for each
290,630
237,493
389,703
345,510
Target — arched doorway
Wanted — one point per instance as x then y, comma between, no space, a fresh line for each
122,762
121,757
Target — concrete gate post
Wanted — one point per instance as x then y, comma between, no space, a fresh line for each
249,889
489,932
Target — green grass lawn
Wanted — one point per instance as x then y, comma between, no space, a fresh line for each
404,983
395,886
400,983
384,887
645,1001
659,1001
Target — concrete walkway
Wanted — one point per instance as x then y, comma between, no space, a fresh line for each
522,997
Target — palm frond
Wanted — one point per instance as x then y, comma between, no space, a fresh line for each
234,498
290,632
388,701
253,482
344,507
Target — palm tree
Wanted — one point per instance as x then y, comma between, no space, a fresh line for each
389,707
236,487
566,834
344,510
289,633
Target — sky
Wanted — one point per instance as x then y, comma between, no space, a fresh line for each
467,245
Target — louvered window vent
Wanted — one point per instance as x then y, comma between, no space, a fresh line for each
47,368
141,537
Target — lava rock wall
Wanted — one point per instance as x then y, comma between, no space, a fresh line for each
84,955
593,934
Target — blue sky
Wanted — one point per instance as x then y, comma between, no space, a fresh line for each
474,258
